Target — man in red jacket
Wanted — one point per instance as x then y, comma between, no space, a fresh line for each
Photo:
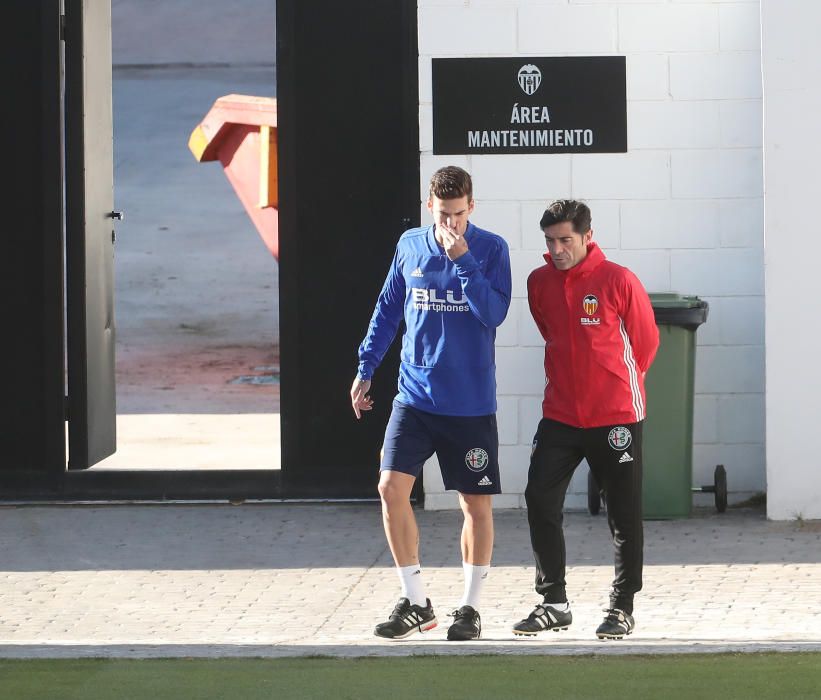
600,338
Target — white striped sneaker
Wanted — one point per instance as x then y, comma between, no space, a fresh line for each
407,619
544,617
617,624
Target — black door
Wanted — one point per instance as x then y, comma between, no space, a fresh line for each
89,233
32,438
57,253
347,97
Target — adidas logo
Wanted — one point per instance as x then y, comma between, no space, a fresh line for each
417,273
485,482
625,458
413,619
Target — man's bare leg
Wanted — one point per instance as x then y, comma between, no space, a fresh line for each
477,547
398,518
415,613
477,529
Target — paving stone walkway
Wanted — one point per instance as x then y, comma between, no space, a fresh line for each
280,579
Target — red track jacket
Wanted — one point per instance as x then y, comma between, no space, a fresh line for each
600,338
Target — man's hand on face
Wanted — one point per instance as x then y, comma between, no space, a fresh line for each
359,396
455,245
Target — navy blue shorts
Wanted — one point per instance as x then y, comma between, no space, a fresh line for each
467,448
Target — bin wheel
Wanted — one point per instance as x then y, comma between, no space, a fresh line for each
720,480
593,495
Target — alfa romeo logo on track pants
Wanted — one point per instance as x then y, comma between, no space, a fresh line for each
619,438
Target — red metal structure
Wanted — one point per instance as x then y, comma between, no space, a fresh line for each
240,131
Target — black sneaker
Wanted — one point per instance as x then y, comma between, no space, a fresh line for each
617,624
544,617
406,619
466,624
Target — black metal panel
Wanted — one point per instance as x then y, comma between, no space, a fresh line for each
89,233
347,92
32,432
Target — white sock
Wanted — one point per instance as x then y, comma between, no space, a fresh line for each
412,586
561,607
475,577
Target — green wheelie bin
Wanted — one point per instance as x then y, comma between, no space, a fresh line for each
668,428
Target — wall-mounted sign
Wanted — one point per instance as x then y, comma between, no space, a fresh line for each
529,105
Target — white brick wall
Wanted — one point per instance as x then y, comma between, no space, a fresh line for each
666,125
670,224
648,77
740,27
632,175
715,76
668,28
588,29
725,174
792,103
683,208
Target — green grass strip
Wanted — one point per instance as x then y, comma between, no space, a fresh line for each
755,676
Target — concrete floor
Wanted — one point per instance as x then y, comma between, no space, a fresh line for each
300,580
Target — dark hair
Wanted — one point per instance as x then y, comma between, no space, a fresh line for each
577,213
451,182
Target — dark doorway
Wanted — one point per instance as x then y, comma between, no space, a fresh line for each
196,289
347,91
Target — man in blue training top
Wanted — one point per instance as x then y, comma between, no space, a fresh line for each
450,283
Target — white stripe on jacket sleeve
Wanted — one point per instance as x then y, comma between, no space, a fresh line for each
632,372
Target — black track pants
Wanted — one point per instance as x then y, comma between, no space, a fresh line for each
614,455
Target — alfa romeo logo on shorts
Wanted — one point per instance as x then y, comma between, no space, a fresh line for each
476,459
619,438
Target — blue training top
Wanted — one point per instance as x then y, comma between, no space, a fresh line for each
451,310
